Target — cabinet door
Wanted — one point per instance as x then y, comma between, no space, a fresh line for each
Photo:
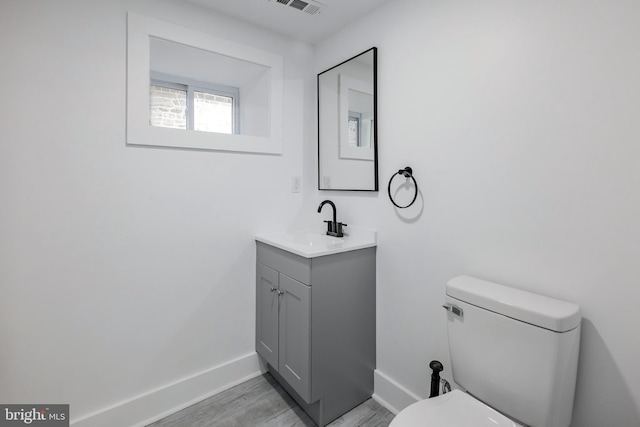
267,314
295,335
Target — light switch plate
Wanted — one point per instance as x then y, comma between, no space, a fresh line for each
296,184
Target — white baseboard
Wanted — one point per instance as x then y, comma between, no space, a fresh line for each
390,394
159,403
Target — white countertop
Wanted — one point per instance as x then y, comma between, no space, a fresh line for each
311,244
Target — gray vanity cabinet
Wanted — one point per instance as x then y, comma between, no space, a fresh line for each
267,313
284,335
315,326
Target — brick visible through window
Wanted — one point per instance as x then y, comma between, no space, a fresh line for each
180,103
168,107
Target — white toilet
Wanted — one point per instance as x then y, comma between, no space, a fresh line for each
514,352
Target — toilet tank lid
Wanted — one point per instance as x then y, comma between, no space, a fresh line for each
545,312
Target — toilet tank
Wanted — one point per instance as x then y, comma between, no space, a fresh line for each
514,350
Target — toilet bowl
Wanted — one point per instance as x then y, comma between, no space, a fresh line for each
454,409
514,352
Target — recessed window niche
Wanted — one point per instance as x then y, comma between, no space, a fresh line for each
201,74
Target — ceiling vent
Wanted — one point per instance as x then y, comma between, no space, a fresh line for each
309,6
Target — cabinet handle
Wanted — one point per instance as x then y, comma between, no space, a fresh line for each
273,289
280,293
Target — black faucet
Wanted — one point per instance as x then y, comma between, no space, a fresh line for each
334,228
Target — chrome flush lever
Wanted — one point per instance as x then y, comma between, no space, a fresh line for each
454,309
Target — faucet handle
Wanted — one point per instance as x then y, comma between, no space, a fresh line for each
338,229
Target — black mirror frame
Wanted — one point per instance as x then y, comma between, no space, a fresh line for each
375,120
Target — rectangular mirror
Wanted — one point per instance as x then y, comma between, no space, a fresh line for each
347,135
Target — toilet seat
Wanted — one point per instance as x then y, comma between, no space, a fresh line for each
454,409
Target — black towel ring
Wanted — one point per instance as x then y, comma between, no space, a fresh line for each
407,173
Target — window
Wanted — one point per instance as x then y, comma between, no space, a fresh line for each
155,46
180,103
167,106
354,129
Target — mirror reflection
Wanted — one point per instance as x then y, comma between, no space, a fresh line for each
360,119
347,138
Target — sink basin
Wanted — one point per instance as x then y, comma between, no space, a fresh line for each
314,239
310,244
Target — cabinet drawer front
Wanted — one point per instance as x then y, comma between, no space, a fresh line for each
292,265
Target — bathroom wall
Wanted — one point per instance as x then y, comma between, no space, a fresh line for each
124,270
520,121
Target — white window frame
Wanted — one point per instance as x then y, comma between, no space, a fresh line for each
139,131
191,86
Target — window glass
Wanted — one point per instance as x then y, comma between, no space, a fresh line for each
167,107
212,112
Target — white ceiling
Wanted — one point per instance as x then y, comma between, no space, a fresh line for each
291,22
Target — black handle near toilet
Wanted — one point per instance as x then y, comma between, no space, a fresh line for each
435,377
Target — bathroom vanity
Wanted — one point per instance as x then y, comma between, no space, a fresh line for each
315,320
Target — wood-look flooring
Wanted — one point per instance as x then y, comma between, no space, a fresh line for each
262,402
